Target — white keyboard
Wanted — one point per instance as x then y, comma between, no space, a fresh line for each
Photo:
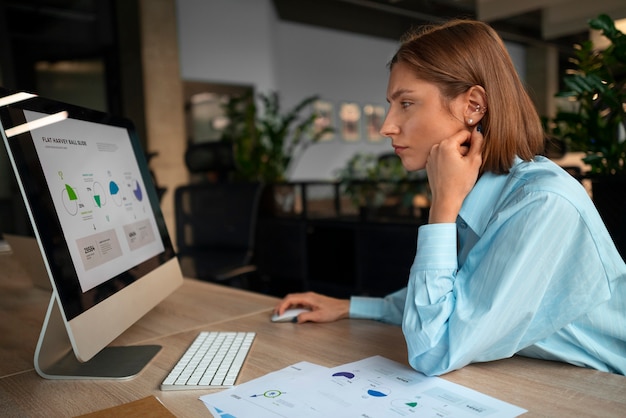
213,360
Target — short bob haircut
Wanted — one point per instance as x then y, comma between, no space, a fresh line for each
459,54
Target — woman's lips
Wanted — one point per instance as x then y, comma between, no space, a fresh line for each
398,149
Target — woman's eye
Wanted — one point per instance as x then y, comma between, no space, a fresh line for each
404,105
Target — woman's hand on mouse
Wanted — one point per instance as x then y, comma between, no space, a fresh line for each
323,308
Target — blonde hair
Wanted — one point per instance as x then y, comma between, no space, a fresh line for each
459,54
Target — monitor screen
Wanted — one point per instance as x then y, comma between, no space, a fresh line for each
96,217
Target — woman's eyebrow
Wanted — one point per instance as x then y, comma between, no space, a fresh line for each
397,93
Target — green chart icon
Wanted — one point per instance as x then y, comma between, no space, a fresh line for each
70,200
71,194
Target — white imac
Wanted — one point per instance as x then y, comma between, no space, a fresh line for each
97,220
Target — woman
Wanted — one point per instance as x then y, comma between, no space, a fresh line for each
515,258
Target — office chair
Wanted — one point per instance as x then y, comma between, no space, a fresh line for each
215,230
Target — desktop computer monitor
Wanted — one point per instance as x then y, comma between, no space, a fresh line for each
97,220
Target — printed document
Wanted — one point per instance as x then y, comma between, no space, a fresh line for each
375,387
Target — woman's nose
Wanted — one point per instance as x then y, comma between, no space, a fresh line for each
388,128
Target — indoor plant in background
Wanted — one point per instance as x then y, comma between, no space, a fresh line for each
372,181
267,142
595,125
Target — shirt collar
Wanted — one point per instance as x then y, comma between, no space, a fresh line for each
479,205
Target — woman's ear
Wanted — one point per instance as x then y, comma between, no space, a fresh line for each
476,105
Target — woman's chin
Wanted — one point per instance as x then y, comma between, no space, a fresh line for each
412,165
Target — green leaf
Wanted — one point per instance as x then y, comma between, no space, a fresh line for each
597,83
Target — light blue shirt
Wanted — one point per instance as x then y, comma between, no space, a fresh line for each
528,268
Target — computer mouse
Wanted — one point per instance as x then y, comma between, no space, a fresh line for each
289,315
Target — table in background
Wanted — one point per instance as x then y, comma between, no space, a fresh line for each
544,388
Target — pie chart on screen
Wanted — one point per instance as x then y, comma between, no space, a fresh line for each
137,191
114,191
98,194
70,199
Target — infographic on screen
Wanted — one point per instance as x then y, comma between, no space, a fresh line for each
99,197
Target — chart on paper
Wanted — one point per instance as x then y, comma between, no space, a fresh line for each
374,387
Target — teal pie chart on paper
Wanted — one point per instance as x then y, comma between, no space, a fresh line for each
405,404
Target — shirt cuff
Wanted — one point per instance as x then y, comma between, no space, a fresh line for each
362,307
436,247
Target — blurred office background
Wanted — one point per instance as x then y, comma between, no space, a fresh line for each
147,60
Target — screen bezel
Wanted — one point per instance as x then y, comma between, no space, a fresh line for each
114,301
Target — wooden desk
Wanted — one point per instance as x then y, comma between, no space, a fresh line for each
544,388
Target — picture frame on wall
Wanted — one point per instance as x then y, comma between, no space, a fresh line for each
374,118
350,121
325,119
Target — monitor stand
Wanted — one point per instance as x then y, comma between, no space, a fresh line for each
55,359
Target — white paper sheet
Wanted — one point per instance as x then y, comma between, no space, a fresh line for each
251,398
371,388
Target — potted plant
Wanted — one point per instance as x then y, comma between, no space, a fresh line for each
596,85
266,142
371,182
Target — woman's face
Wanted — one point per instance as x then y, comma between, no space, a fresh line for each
418,117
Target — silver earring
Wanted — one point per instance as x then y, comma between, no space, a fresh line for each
470,121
